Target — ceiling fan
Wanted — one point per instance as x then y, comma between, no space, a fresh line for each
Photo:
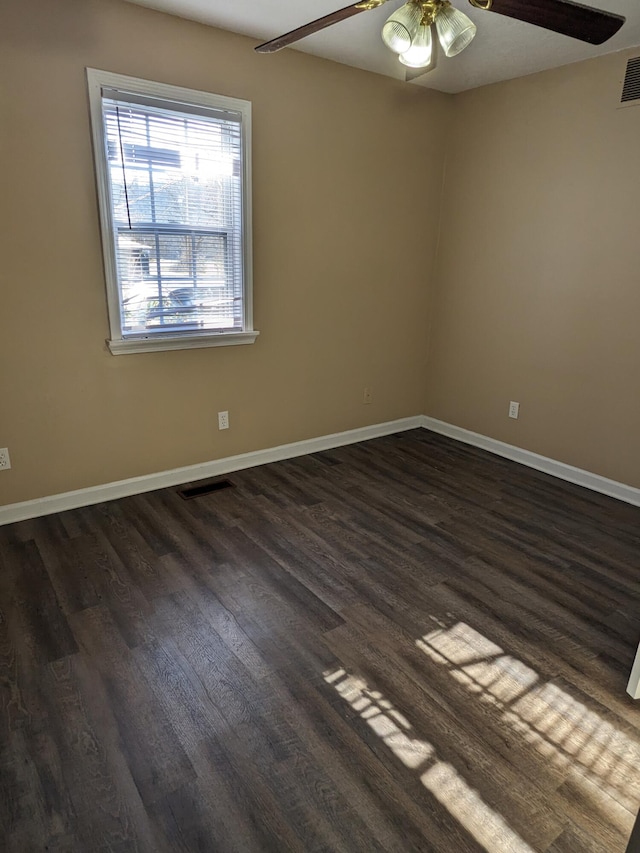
408,31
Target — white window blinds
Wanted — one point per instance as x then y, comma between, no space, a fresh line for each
173,172
175,181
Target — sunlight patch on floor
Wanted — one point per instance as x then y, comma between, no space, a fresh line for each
468,808
439,778
560,728
479,664
385,721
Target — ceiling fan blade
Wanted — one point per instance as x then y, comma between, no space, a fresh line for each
312,27
561,16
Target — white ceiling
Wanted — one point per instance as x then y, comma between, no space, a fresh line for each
502,49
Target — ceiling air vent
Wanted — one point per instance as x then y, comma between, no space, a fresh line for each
631,88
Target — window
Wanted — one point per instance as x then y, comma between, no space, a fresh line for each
173,174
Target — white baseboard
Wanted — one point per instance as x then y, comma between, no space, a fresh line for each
177,476
218,467
580,477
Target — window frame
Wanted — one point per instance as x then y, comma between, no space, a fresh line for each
157,341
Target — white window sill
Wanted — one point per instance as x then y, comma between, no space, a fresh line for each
158,343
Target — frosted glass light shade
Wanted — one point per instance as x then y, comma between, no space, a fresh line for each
401,27
419,54
455,30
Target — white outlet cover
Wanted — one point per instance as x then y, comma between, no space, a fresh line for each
5,460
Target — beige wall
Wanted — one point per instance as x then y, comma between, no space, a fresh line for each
347,177
538,280
537,295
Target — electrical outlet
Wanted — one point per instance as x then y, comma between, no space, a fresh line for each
367,396
514,410
223,420
5,462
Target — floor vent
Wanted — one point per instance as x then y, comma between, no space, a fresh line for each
631,88
201,489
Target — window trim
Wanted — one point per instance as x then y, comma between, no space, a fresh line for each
118,343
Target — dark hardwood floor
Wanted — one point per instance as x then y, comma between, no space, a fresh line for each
402,645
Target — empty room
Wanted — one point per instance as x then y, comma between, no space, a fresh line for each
319,460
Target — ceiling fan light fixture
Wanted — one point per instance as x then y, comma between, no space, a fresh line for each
400,28
419,54
455,30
